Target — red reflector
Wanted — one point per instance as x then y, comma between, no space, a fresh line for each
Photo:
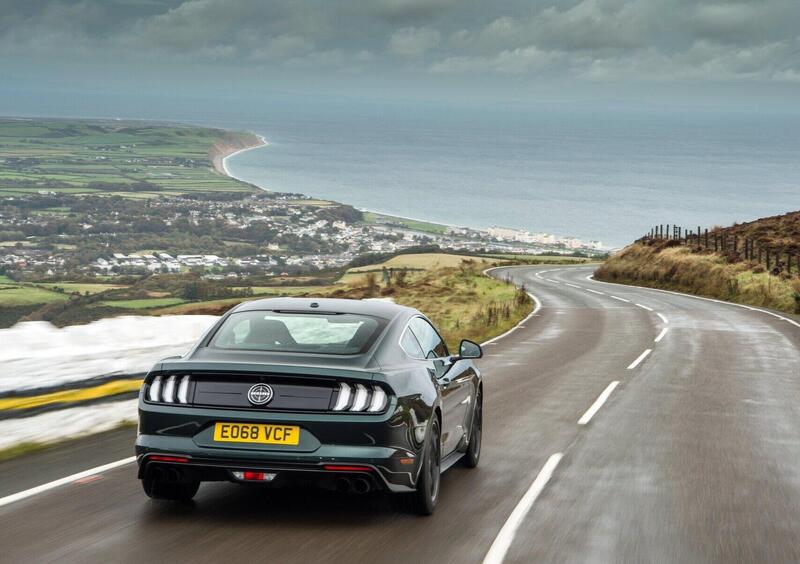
248,475
341,468
160,458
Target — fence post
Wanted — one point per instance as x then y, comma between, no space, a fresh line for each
768,262
735,243
706,245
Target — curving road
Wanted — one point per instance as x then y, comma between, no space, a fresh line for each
595,450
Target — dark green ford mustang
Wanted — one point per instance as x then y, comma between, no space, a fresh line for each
344,394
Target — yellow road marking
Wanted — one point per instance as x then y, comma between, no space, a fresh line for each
71,396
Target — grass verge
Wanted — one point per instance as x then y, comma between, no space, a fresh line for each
705,274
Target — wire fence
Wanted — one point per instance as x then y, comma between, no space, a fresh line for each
734,247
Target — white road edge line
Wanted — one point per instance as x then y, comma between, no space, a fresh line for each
644,307
598,403
537,307
661,335
639,360
692,296
621,299
63,481
663,317
497,552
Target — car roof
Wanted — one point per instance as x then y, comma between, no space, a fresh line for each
378,308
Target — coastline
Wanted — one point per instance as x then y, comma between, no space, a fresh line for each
220,156
221,152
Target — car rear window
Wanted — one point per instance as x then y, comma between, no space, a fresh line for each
326,333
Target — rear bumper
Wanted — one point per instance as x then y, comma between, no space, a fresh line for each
386,468
390,443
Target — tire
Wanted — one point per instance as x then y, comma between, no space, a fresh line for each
423,500
170,491
473,455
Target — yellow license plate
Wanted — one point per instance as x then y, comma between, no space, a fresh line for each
257,433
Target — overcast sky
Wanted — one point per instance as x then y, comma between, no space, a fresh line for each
747,51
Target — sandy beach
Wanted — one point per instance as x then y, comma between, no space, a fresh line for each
223,150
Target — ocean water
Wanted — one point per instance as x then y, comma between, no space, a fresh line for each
606,176
601,174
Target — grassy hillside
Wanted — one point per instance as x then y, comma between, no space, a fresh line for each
777,232
125,158
667,264
463,302
423,261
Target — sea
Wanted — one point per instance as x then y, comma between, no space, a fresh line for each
606,175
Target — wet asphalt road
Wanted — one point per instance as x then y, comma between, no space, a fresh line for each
694,457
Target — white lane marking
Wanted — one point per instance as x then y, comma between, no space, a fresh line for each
63,481
553,281
502,542
639,360
621,299
598,403
595,292
663,317
572,285
644,307
661,335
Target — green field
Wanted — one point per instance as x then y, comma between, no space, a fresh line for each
145,303
15,295
423,261
542,259
101,157
424,226
70,287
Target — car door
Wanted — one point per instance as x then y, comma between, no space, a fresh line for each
454,387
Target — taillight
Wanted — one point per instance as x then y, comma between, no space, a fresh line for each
161,458
172,389
360,398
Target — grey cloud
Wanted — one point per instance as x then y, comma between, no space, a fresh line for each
413,42
404,11
584,39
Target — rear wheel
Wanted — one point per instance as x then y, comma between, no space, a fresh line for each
423,500
172,491
473,455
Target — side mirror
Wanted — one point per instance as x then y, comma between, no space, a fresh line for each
468,349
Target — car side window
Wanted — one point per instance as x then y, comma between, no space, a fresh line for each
410,344
432,344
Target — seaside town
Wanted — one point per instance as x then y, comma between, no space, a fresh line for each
267,234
